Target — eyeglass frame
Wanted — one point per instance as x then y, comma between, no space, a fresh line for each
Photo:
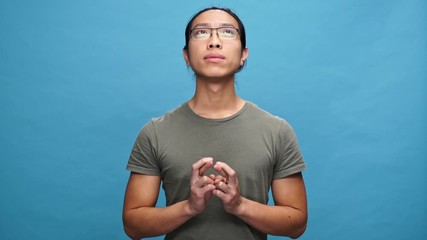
216,29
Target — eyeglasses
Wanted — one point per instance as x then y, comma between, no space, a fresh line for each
206,33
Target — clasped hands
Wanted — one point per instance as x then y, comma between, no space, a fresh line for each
224,185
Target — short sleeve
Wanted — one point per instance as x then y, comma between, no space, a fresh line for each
143,158
288,157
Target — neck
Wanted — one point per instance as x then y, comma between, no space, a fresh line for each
215,98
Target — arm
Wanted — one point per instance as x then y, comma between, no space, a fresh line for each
140,216
287,218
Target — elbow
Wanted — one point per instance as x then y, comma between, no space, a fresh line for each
130,230
298,232
299,228
131,233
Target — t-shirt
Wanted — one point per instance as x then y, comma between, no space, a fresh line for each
260,147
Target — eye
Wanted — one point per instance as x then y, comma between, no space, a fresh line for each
228,32
200,32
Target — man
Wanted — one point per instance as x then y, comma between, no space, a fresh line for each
216,155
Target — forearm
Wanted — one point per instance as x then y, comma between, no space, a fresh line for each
274,220
151,221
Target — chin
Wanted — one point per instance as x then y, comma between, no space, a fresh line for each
217,74
217,77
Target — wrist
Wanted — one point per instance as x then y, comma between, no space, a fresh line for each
188,210
241,209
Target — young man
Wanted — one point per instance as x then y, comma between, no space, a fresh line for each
217,155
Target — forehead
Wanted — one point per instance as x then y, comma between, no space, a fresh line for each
214,18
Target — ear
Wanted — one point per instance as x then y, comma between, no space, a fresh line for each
185,55
245,54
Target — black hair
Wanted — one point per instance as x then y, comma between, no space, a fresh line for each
241,27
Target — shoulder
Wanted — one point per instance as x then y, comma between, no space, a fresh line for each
170,122
278,128
170,116
162,124
255,112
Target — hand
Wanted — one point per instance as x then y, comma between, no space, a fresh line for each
201,186
227,187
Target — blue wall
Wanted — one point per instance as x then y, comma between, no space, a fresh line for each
78,79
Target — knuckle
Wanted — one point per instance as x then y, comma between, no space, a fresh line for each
197,193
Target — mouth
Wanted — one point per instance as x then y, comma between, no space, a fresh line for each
214,57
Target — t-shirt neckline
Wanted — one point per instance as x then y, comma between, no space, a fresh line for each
216,120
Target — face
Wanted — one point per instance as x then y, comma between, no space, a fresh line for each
215,57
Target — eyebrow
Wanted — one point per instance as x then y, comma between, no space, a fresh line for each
208,25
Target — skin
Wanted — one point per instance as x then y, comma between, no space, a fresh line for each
214,97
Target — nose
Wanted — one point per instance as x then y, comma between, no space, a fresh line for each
214,41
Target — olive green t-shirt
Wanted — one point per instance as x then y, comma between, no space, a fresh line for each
260,147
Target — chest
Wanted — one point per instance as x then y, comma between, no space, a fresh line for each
247,151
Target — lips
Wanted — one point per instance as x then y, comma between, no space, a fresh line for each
214,57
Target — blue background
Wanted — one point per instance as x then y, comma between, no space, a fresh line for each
78,79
